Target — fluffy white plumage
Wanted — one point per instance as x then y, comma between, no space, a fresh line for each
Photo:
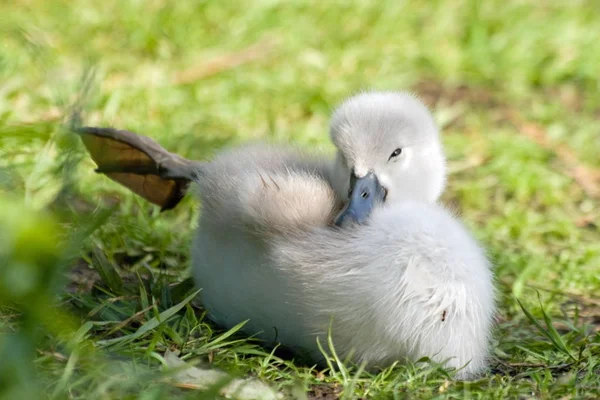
409,283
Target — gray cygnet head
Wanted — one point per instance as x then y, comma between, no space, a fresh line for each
389,151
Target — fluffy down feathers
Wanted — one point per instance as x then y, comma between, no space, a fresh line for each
410,283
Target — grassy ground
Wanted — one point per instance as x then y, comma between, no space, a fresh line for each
92,279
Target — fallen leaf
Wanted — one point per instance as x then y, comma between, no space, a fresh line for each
224,62
191,377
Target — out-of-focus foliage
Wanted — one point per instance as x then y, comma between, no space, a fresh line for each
31,267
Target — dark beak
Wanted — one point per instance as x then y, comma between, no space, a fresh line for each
366,193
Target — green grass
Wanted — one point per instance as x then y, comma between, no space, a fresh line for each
92,279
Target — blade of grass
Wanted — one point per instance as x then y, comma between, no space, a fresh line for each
108,272
152,323
554,338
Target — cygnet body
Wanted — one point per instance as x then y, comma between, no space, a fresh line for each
399,279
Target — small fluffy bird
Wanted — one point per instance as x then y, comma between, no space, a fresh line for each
356,247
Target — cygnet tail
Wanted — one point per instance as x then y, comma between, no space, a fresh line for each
140,164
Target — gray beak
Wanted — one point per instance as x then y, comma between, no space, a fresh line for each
366,193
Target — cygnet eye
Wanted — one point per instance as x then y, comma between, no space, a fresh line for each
396,153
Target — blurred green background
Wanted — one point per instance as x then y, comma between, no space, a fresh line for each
85,265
